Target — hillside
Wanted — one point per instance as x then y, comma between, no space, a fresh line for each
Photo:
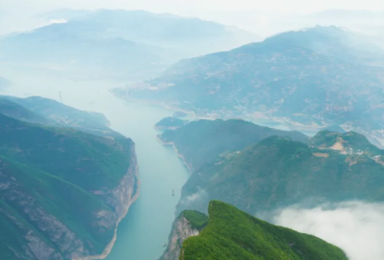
62,191
205,141
346,143
47,111
12,109
305,79
278,172
233,234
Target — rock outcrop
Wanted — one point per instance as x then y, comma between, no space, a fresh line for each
182,228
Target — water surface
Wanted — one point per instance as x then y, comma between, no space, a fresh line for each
143,232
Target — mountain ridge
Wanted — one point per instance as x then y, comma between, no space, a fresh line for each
233,234
280,79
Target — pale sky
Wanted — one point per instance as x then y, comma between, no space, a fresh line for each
242,13
182,6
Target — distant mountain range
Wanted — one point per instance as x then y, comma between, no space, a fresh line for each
62,190
307,79
274,171
116,43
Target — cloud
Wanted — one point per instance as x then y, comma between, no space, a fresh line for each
196,201
195,197
355,227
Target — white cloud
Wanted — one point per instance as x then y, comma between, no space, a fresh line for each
356,227
201,194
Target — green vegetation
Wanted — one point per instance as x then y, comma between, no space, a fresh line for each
233,234
202,142
196,219
278,172
57,187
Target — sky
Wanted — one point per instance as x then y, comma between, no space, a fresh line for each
247,14
185,6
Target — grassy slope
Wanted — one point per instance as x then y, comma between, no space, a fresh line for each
201,142
195,218
233,234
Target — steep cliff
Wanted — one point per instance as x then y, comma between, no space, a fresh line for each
62,191
189,223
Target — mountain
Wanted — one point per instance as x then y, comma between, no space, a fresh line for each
116,43
308,79
259,169
205,141
66,48
165,30
232,234
62,191
58,114
14,110
334,42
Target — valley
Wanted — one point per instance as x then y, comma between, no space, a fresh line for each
149,219
143,135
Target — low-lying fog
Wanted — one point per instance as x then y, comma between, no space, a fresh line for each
356,227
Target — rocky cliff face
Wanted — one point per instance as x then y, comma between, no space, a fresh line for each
181,230
63,191
120,198
42,235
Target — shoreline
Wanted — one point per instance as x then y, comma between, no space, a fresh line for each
282,121
177,152
111,244
152,103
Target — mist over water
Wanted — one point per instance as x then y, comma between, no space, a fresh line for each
356,227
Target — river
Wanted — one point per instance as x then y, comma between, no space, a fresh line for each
142,233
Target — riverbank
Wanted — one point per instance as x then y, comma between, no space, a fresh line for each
177,153
108,248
